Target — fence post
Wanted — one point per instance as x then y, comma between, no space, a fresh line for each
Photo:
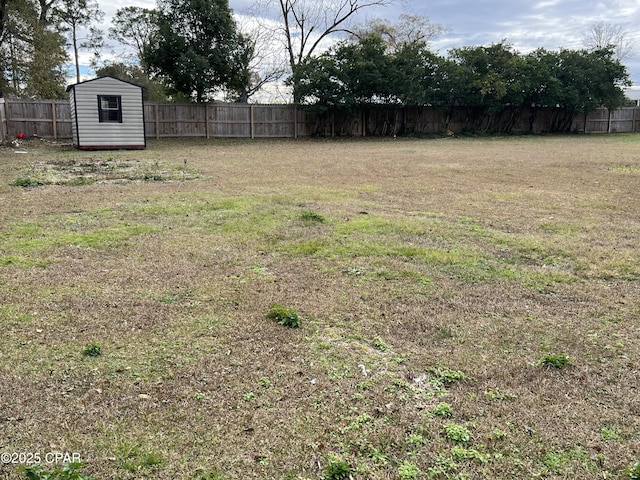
206,119
586,116
3,124
609,123
251,121
7,118
54,115
157,120
295,121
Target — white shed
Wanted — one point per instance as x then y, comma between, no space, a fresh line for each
107,113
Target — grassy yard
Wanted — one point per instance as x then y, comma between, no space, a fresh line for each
468,308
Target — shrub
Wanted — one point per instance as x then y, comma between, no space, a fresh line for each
284,316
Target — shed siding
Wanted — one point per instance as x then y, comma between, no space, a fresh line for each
72,107
91,133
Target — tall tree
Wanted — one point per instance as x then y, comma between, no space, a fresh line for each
32,51
195,47
370,72
590,80
603,35
492,75
134,27
4,14
76,16
46,74
421,77
303,25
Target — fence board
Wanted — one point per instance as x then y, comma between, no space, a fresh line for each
45,118
3,121
52,118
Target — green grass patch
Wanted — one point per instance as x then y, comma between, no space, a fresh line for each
29,243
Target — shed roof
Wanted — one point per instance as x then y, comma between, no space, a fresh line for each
100,78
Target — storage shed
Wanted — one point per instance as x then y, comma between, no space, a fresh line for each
107,113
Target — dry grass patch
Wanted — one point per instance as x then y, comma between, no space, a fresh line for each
434,281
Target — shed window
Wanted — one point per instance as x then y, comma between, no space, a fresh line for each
110,108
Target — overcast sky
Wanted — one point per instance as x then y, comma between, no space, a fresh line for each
552,24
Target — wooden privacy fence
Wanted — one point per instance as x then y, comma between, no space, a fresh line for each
224,120
52,119
47,118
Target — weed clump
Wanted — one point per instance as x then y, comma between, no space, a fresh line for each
555,361
311,216
27,182
92,350
408,471
634,472
69,471
457,433
381,345
284,316
442,410
337,469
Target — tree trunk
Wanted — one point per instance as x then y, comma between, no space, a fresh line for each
75,53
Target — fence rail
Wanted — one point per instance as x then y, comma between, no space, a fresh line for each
52,119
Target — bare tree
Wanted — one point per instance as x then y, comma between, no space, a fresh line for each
265,65
609,35
304,24
410,28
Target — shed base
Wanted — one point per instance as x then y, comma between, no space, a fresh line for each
110,147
